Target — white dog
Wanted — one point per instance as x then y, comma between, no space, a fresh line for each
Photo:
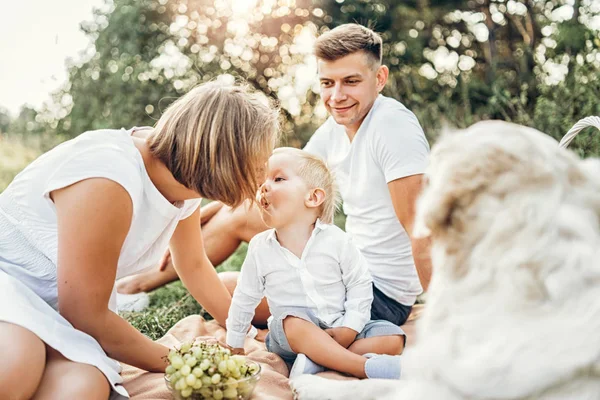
513,309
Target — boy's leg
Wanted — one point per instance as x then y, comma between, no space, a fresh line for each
307,338
380,337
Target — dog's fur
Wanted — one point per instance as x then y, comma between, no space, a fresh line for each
513,309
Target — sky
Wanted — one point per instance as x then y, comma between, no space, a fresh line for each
36,37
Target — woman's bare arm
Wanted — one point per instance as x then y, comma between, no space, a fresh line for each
94,217
195,269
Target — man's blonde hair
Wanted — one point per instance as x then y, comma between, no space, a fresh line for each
315,173
216,140
348,39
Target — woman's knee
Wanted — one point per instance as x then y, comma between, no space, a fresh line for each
23,361
66,379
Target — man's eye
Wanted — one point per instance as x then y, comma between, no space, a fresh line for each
351,82
325,84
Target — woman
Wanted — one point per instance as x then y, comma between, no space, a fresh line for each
106,205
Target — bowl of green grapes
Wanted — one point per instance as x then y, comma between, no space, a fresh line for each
205,370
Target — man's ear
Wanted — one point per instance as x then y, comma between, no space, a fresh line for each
315,198
382,76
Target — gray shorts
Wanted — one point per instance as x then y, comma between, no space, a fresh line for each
277,343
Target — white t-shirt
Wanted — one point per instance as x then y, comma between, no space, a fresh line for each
331,279
109,154
390,144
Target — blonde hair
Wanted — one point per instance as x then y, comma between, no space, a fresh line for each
348,39
315,173
216,140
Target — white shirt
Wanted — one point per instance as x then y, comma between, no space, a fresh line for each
390,144
331,278
109,154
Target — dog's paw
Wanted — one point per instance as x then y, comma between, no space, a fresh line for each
310,387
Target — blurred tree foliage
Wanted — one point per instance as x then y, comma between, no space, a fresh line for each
452,62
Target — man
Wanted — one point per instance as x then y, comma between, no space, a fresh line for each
378,151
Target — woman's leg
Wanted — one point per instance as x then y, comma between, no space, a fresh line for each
392,345
23,361
307,338
222,234
65,379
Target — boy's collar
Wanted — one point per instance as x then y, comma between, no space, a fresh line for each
318,225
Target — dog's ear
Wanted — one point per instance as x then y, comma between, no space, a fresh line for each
452,187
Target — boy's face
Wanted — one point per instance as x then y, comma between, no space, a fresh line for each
282,196
349,87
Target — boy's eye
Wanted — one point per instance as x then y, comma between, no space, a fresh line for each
279,179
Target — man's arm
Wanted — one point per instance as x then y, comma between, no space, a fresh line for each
404,193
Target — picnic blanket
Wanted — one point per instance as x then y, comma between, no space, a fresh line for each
273,383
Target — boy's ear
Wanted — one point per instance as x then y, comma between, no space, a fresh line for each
315,198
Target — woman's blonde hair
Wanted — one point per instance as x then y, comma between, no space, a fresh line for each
216,140
315,173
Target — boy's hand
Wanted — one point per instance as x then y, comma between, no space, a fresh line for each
261,335
343,335
238,351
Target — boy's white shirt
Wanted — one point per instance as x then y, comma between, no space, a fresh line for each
389,145
331,278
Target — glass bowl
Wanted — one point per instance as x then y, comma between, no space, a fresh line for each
242,388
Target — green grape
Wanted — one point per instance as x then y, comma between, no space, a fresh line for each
172,353
206,393
177,362
181,384
186,356
206,380
190,379
175,377
198,372
230,393
170,370
223,367
253,368
186,392
191,361
205,364
185,370
232,365
197,384
197,352
216,378
186,347
236,373
217,394
231,383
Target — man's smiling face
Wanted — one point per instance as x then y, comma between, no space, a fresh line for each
349,87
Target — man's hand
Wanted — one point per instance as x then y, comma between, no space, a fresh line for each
343,335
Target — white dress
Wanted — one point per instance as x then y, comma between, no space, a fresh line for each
28,237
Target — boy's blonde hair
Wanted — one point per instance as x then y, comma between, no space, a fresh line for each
348,39
216,140
315,173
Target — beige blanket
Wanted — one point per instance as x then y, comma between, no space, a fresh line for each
273,383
